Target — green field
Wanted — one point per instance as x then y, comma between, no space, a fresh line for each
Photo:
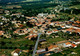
51,40
18,43
75,6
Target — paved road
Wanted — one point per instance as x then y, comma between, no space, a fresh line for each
36,45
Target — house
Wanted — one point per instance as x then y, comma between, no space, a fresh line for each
55,31
42,40
60,45
73,53
5,19
49,23
41,50
48,54
52,23
42,14
53,47
21,31
76,42
68,44
77,22
30,36
63,27
57,50
16,14
68,26
69,30
1,23
73,45
49,32
78,31
1,32
38,24
7,12
26,51
51,15
16,52
7,35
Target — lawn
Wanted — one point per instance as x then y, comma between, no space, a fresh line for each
75,6
12,44
51,40
7,52
22,42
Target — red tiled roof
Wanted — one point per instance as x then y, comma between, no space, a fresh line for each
77,21
67,43
77,30
52,46
55,30
73,45
17,50
70,29
1,32
49,31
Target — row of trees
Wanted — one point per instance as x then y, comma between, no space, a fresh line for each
75,0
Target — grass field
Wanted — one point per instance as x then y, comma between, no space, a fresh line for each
22,42
75,6
54,40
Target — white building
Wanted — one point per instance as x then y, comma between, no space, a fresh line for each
15,54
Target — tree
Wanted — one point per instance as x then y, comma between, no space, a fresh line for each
3,43
75,0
